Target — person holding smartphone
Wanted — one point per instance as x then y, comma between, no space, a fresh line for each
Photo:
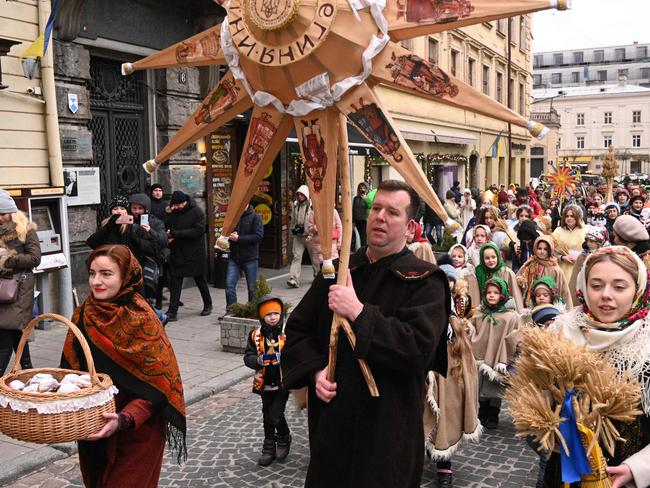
120,228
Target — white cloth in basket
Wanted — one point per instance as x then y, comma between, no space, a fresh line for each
60,406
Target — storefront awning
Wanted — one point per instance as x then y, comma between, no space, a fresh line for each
435,136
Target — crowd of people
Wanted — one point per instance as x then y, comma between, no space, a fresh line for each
438,332
519,258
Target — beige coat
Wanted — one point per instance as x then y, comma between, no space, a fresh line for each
451,407
507,275
494,346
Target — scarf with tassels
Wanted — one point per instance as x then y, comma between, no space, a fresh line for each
128,342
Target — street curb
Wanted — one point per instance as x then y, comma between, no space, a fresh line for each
15,469
20,467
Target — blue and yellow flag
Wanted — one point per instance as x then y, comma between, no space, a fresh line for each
497,150
39,47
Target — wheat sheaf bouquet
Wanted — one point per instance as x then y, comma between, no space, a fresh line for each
551,374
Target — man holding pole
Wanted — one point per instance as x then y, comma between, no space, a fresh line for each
399,308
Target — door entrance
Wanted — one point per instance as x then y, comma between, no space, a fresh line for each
117,126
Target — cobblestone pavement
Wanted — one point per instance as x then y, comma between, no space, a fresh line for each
224,439
205,368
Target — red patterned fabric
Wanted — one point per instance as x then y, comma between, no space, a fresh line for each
128,332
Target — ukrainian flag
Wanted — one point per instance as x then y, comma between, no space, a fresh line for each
39,47
497,149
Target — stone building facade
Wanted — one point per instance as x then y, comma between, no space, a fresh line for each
495,58
122,121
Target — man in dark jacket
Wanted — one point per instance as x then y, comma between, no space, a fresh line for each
398,307
186,234
244,254
140,208
158,205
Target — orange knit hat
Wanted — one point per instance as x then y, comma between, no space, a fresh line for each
270,307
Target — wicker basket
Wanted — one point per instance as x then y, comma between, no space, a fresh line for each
51,428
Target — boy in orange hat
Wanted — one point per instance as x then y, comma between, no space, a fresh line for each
263,355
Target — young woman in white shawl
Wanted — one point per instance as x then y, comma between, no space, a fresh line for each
614,321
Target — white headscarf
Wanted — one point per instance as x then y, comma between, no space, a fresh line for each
625,343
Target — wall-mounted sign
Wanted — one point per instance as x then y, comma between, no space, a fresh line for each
81,185
73,102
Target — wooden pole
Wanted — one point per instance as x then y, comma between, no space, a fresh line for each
339,322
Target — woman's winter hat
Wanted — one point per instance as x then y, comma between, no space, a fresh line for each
634,199
630,229
502,197
7,204
119,201
543,313
597,234
612,205
178,197
527,231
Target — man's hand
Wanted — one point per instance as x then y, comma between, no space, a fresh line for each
621,475
146,227
325,390
343,300
234,237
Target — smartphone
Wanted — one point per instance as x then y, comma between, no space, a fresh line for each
124,219
144,219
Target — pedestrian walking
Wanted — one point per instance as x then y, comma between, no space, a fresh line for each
613,322
20,253
140,208
299,214
244,254
494,344
264,355
128,342
451,403
360,212
186,236
159,206
400,329
569,236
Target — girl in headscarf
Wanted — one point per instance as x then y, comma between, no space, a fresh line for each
612,211
492,265
494,344
481,237
614,322
569,237
419,245
451,404
128,342
543,263
459,254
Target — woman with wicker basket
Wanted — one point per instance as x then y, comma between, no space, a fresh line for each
605,363
128,342
20,252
